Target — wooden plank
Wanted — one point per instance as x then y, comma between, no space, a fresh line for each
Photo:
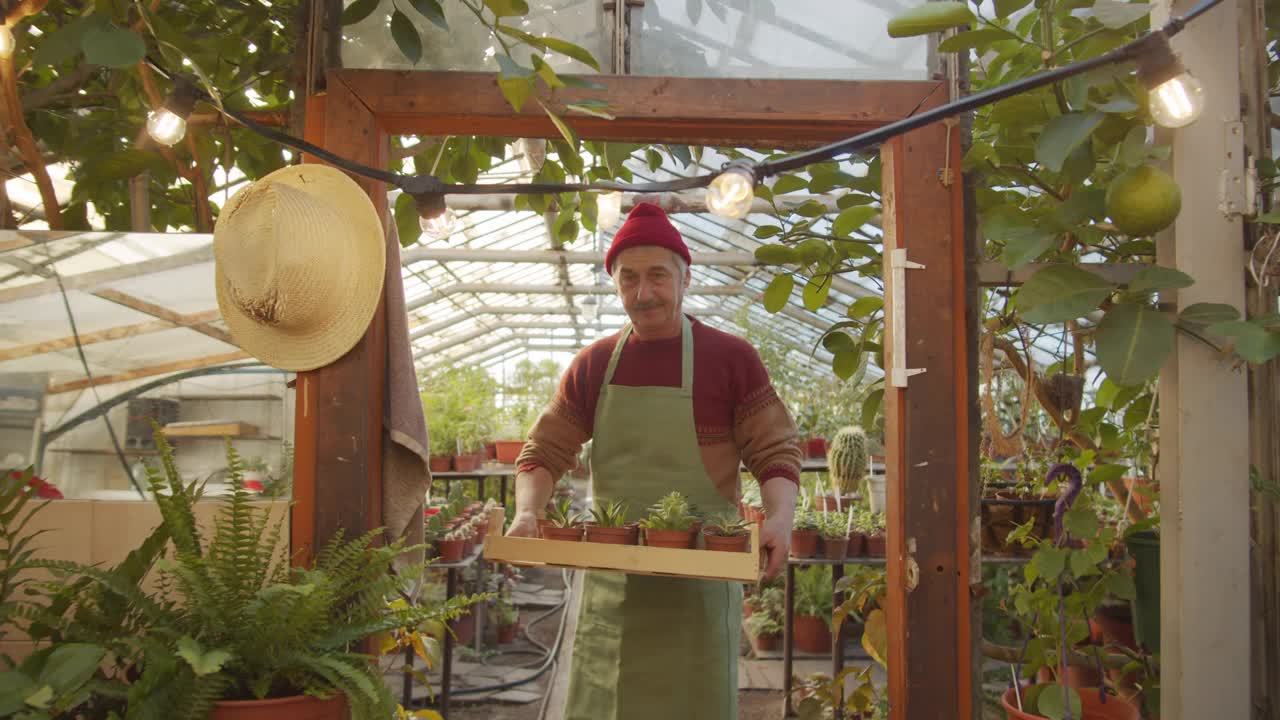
346,430
95,278
695,110
630,559
97,336
929,465
211,429
161,369
156,311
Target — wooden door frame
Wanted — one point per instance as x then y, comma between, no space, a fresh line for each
930,449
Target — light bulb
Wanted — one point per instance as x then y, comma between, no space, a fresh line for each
590,309
166,127
731,193
1178,101
6,42
441,226
608,209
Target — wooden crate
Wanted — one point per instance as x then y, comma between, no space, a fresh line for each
631,559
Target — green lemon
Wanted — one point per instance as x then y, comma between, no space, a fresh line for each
1143,201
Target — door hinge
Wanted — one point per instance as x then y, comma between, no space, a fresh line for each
898,267
1238,182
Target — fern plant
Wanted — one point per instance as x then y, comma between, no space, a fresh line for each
231,620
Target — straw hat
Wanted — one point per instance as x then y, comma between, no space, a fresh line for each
299,262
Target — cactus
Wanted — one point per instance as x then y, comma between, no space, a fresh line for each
847,459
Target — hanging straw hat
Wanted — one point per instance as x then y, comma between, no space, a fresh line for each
299,262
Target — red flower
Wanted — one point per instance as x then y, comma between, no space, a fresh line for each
43,489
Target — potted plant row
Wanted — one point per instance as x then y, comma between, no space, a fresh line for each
836,535
672,522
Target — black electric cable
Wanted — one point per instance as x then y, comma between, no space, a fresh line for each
429,190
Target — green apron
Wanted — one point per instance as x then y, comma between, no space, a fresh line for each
653,647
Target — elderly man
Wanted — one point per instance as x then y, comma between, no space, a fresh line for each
670,404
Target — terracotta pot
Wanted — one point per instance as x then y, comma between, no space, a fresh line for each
507,633
736,543
450,550
441,463
835,548
812,634
628,535
1091,708
464,627
543,522
298,707
766,643
569,534
508,451
804,543
678,539
466,463
827,503
1077,677
857,544
875,545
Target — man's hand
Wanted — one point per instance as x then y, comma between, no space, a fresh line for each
523,524
775,539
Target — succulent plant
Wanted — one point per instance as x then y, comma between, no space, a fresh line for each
671,512
728,524
612,514
561,515
847,459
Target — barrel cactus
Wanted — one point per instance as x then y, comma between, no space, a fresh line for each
847,459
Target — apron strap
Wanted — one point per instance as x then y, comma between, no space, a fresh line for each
617,353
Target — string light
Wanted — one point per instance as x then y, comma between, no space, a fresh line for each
168,125
590,309
439,227
608,209
1176,98
6,42
731,192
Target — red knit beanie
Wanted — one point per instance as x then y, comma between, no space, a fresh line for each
646,224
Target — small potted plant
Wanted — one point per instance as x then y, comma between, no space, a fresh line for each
765,631
847,464
813,605
506,619
834,528
670,523
609,525
563,522
451,547
804,534
873,526
727,532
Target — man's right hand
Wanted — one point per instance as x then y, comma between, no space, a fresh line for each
524,524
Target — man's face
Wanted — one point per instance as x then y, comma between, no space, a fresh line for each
649,281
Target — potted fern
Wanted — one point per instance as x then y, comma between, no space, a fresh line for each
670,522
563,522
232,630
813,605
609,525
727,532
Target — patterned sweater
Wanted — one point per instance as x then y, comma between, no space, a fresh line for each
739,417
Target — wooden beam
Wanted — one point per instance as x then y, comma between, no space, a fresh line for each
115,333
929,450
89,280
714,111
161,369
344,434
163,313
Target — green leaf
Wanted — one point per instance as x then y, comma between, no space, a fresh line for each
1080,522
1023,248
875,636
125,164
1133,150
778,292
202,662
1107,473
1253,342
1115,15
1133,342
431,10
41,698
811,209
1089,203
1159,278
972,40
930,17
845,363
406,37
767,231
1049,562
871,407
852,219
595,108
512,69
70,666
66,42
1063,135
113,47
565,131
408,224
507,8
568,49
1005,8
1117,104
864,306
788,183
815,292
1271,218
1121,586
837,342
1208,313
1059,293
579,82
812,251
775,254
1081,564
1054,699
516,90
15,686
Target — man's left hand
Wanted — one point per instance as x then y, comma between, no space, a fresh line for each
775,539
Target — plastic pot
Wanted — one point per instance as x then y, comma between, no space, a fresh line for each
450,550
678,539
1145,548
507,633
835,548
464,627
857,544
466,463
875,486
875,545
508,450
627,535
570,534
766,643
297,707
440,463
733,543
804,543
1091,708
